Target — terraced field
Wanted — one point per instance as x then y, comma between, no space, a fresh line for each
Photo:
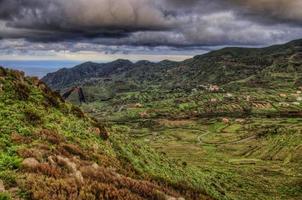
249,143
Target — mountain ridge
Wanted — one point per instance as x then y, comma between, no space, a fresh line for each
217,67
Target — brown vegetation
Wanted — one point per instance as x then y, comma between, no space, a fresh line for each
77,112
63,178
50,135
22,91
32,117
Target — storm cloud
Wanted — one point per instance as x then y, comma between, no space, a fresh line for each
278,11
148,23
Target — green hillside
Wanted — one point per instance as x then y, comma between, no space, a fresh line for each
233,116
217,67
50,149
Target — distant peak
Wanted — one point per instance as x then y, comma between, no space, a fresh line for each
167,61
143,62
122,61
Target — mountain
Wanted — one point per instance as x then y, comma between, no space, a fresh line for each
217,67
86,70
50,149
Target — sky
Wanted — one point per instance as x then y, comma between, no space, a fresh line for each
105,30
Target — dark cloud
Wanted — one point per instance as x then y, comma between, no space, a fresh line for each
89,17
272,11
150,23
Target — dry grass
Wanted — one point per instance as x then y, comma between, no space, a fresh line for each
50,135
72,150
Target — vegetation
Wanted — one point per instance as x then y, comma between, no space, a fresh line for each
225,125
51,150
230,120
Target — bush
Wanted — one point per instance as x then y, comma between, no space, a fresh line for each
4,196
77,112
9,162
50,135
46,169
74,150
52,100
3,72
22,91
32,117
9,178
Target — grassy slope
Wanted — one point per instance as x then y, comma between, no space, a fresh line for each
256,155
71,161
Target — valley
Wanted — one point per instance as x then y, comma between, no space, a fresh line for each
232,116
254,155
223,125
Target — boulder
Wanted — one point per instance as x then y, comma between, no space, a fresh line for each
2,188
214,100
144,115
30,163
79,177
240,120
95,166
138,105
96,131
167,197
71,166
225,120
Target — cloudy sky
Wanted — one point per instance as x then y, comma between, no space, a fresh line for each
141,29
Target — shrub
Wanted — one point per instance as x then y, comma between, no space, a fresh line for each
51,136
77,112
46,169
22,91
51,100
74,150
9,162
32,117
5,196
3,72
20,139
9,178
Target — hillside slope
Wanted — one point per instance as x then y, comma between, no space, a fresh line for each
217,67
50,149
233,116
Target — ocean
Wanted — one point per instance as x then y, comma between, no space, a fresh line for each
38,68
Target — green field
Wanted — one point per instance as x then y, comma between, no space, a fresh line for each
243,148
